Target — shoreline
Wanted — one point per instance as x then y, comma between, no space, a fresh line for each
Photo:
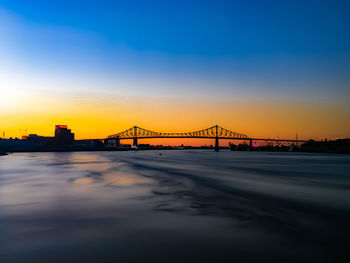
4,153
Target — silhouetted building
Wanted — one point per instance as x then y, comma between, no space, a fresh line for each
37,138
112,143
63,135
17,145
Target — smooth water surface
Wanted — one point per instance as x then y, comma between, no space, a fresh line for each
174,206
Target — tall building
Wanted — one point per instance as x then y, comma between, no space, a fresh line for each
63,135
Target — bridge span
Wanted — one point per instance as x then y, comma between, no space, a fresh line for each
215,132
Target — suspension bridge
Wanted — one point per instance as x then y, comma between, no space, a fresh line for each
215,132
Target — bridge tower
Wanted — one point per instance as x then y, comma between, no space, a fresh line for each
135,136
216,138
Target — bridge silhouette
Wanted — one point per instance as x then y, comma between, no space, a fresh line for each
215,132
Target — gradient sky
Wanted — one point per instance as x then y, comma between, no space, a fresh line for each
264,68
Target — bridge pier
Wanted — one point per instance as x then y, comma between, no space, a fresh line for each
135,136
217,144
250,145
216,138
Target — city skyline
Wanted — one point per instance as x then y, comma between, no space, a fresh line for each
269,70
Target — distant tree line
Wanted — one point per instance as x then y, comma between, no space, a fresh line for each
337,146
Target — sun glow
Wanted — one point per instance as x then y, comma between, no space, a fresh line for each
93,116
10,100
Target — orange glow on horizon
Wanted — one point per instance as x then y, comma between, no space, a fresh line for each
97,117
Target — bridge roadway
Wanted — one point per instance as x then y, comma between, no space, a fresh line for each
215,132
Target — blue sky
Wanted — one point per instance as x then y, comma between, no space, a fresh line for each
238,49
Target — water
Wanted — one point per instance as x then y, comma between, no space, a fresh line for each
174,206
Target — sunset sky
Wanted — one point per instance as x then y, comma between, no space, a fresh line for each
262,68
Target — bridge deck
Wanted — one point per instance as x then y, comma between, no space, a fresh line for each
221,138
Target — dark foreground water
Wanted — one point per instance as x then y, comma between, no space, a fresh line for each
174,206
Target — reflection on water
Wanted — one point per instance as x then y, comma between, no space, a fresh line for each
114,179
180,206
85,180
124,179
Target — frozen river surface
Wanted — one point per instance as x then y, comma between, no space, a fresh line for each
174,206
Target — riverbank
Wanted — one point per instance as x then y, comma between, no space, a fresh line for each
337,146
311,146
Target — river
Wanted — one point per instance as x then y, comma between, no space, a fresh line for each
174,206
